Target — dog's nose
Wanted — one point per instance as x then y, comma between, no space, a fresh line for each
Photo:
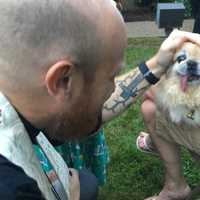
191,65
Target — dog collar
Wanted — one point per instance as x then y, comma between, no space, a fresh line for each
191,114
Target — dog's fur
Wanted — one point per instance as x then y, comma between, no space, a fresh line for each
181,102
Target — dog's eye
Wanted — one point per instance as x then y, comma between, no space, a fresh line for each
181,58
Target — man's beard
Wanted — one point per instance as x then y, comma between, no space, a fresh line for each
63,129
97,127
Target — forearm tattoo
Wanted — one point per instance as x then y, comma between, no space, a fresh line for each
127,88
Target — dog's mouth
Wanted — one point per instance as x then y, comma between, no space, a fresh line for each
189,72
188,79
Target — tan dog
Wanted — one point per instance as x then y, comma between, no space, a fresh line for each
179,91
177,99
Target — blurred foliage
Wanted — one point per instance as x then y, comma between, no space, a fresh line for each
188,12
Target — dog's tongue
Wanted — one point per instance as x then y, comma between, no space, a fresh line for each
184,80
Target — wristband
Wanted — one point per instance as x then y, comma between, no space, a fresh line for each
148,75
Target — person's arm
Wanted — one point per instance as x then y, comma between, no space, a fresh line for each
127,88
133,84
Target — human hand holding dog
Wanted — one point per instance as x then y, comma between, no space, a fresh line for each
134,83
164,57
74,184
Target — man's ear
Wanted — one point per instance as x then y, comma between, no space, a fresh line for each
58,78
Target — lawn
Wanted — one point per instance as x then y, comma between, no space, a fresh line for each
132,175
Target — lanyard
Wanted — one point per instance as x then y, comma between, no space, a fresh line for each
59,188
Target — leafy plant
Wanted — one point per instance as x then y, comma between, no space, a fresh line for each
188,12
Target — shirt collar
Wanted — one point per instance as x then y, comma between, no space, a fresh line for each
33,132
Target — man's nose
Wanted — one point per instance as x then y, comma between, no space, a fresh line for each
191,66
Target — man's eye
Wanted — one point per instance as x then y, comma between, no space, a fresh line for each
181,58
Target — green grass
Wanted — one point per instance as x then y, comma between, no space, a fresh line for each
133,175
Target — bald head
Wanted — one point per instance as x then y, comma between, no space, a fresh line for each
35,34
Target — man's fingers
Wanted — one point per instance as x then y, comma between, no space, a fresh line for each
185,36
74,184
169,47
177,38
73,173
177,43
192,37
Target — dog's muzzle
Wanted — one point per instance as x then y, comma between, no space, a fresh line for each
189,71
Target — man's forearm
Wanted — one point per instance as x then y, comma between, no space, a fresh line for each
128,87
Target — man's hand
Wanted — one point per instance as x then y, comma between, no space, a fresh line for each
74,184
163,59
133,84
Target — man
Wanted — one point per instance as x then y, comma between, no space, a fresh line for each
58,63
